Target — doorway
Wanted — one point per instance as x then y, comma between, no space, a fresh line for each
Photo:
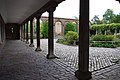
12,31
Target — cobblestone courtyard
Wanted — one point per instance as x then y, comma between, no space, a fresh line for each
20,62
99,57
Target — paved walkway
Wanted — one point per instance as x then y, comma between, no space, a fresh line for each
109,73
20,62
100,58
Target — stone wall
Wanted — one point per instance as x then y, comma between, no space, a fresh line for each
60,24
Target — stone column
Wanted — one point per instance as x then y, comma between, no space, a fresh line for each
83,72
24,32
31,33
27,42
38,34
105,32
0,33
20,32
115,32
96,32
50,54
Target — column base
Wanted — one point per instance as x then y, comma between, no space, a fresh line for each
23,40
83,75
0,42
51,56
38,49
31,45
27,42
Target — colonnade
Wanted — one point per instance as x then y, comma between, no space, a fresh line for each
83,72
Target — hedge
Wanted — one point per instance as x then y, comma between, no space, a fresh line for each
111,26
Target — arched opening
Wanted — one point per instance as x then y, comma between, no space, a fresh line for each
58,28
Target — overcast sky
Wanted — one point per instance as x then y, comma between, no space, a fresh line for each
70,8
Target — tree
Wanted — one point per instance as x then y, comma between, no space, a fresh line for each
70,27
45,29
108,16
96,20
117,18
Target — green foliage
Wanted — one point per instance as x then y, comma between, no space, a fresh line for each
60,41
96,20
41,29
117,18
103,38
108,16
45,29
108,41
70,27
104,44
71,37
104,27
41,35
35,29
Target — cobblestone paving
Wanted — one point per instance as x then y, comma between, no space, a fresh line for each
110,73
20,62
99,57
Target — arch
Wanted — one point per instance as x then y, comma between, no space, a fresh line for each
58,28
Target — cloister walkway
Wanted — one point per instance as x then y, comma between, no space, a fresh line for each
20,62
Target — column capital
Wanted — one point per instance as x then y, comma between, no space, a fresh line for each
27,21
52,9
38,16
31,19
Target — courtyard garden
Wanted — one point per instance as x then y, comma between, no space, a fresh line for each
104,44
103,33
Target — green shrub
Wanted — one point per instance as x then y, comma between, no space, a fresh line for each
117,43
71,37
108,41
60,41
70,27
66,43
104,44
45,29
41,35
103,38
